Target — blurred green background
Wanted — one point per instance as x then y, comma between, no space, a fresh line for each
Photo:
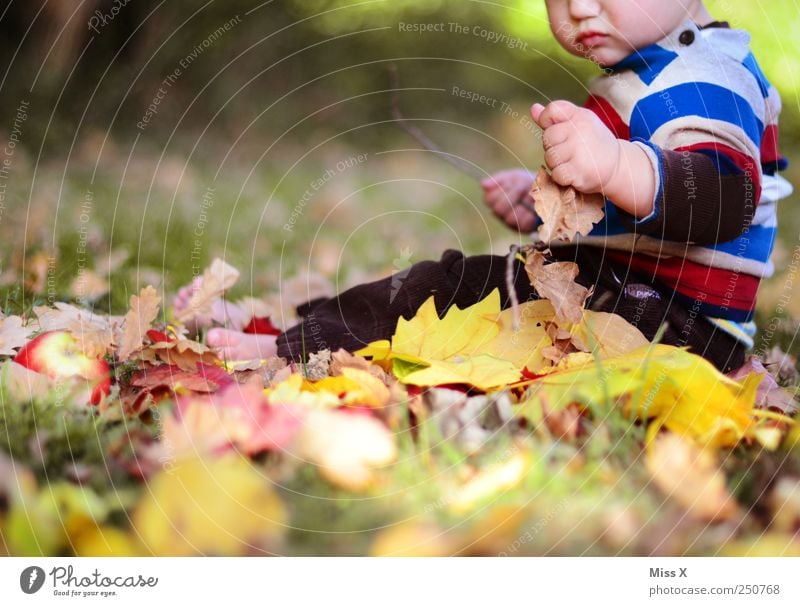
261,131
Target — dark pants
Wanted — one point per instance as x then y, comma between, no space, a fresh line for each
369,312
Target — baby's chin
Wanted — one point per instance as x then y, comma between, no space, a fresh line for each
604,56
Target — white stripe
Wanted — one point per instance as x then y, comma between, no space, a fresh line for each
665,249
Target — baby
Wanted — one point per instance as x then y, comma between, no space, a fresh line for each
679,134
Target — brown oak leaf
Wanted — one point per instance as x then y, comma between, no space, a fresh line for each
95,341
556,283
563,342
217,278
143,311
13,334
184,353
564,211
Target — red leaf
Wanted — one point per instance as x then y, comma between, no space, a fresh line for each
261,326
206,379
157,336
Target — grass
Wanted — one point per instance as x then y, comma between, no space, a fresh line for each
591,496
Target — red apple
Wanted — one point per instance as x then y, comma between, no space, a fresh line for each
58,355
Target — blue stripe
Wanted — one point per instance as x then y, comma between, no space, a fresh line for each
695,99
715,311
660,193
611,224
752,66
647,62
755,244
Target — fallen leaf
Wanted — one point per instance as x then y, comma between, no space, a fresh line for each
317,366
261,326
782,366
427,349
666,385
144,309
203,379
563,210
88,286
23,384
413,539
490,482
769,394
13,335
563,341
184,353
483,371
556,283
210,507
217,278
689,474
345,447
469,421
94,341
62,316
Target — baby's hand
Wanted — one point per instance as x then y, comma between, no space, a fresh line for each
503,191
579,149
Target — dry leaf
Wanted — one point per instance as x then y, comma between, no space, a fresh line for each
62,316
556,283
94,341
563,342
217,278
563,210
181,352
345,446
88,285
138,320
24,384
13,335
769,394
689,474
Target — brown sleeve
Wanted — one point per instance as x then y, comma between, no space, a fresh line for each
696,203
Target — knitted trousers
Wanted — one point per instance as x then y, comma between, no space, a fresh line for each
369,312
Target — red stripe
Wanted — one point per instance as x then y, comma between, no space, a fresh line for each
609,116
769,145
712,285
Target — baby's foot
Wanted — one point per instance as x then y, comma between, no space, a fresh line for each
235,345
222,312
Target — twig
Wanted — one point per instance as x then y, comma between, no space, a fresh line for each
421,138
512,291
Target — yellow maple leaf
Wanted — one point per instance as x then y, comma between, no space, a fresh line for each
482,371
209,506
460,332
667,385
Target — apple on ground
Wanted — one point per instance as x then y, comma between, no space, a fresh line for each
58,355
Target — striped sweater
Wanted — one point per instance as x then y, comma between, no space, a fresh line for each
701,108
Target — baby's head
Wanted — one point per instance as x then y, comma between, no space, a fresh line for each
607,31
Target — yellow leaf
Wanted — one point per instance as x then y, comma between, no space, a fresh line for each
666,385
482,371
491,481
690,475
460,332
202,506
346,447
